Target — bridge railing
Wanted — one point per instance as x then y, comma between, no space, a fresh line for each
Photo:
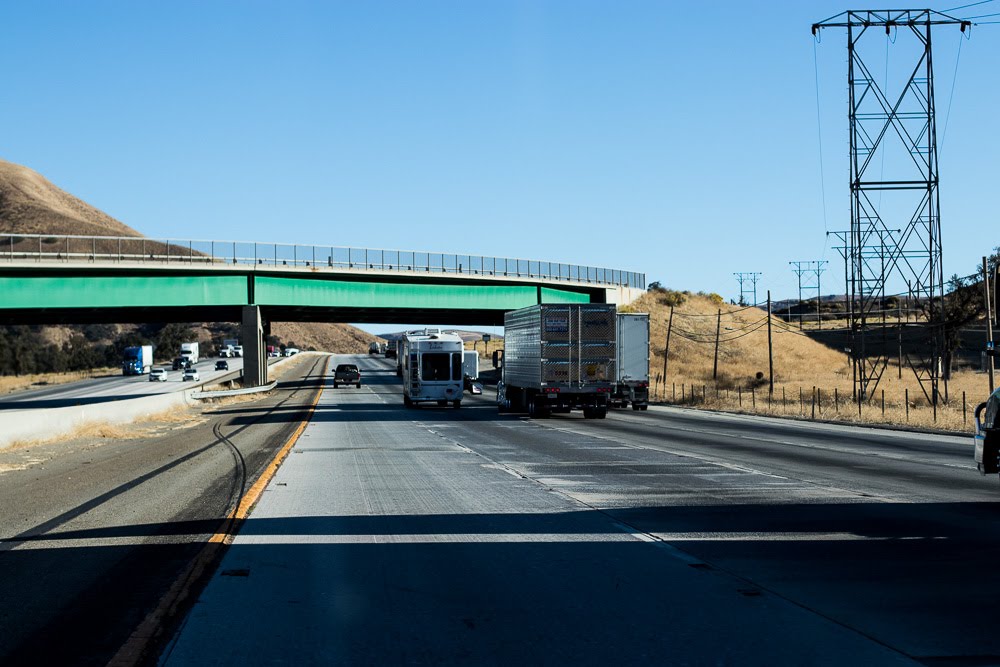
122,249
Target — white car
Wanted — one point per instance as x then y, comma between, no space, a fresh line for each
158,375
238,351
291,351
191,375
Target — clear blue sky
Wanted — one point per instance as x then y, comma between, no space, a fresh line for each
676,139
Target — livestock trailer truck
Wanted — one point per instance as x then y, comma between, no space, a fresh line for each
632,362
557,358
432,368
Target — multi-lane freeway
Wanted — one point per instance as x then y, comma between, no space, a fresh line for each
430,535
112,388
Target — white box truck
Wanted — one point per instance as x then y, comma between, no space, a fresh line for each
557,358
432,368
632,362
189,351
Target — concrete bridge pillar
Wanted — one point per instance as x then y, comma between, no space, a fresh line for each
254,351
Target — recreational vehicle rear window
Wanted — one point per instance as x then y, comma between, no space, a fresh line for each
436,367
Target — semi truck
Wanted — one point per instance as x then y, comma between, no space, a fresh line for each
557,358
631,362
190,352
432,368
228,347
137,360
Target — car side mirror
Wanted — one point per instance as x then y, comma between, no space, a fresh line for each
978,415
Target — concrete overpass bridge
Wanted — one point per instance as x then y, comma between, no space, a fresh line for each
80,279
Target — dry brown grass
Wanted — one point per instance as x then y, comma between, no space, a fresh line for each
143,427
12,383
799,363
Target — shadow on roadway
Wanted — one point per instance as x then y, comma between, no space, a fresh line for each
895,572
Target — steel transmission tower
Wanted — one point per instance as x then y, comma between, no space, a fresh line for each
895,220
811,270
751,279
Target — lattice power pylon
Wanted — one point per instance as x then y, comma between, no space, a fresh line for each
748,278
895,230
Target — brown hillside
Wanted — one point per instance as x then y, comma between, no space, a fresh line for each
743,346
30,204
337,338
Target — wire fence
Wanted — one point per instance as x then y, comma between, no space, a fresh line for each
127,249
821,403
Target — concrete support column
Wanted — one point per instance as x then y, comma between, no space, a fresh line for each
254,351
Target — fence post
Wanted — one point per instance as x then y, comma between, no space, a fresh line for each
819,400
907,399
964,416
739,392
883,403
753,397
813,403
783,403
836,401
704,394
683,393
801,407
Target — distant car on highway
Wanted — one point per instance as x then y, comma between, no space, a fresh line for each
291,351
346,374
238,350
180,363
222,365
191,375
158,375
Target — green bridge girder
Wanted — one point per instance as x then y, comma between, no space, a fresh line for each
47,296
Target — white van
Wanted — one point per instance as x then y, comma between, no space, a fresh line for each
432,368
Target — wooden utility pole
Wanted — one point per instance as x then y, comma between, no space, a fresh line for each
899,331
989,323
770,349
718,328
666,347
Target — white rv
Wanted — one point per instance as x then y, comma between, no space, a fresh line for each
432,368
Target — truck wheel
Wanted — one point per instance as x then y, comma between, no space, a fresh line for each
589,413
645,407
636,407
457,404
441,404
601,414
407,402
359,385
335,384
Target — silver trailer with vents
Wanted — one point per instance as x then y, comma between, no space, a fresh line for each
557,358
632,357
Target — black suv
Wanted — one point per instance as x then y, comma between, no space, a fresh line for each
180,363
346,374
222,365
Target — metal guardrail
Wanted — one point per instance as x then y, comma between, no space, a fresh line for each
120,249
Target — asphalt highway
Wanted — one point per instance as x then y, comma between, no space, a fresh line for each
93,534
436,535
117,387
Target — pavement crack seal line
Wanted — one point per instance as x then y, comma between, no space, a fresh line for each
133,652
689,559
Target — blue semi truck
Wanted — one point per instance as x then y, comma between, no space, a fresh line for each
137,360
